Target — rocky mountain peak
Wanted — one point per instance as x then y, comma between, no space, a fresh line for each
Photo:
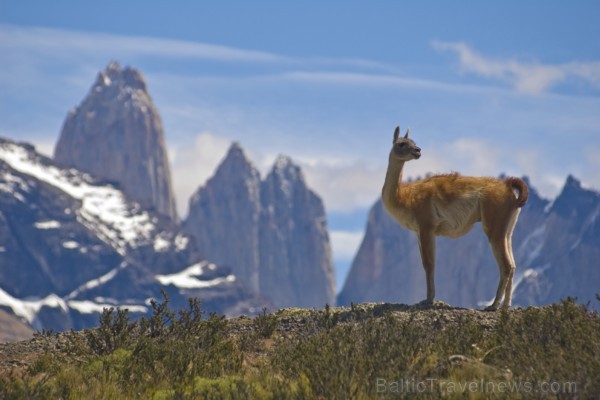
572,182
284,168
123,86
236,149
272,233
116,134
115,76
285,181
224,213
283,163
235,169
236,162
574,200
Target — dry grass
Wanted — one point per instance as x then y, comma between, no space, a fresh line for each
364,351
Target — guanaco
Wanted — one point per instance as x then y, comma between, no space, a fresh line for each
449,205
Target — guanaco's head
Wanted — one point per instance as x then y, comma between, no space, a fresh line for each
404,148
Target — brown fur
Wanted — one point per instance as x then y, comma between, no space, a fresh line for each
449,205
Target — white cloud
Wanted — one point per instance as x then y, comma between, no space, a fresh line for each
42,143
529,78
194,163
77,46
343,186
345,243
591,177
589,71
58,42
371,80
45,147
592,156
475,156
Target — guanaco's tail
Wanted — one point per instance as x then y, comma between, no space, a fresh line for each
521,187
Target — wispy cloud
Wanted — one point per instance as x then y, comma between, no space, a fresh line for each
55,43
526,77
52,41
372,80
592,166
344,185
194,163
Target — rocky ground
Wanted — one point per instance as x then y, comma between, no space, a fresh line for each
291,322
364,351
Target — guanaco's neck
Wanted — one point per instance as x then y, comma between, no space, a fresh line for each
391,186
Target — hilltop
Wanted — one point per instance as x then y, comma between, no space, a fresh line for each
369,350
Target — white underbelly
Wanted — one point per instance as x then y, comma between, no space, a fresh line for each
456,219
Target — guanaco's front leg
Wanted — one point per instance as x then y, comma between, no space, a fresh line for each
426,240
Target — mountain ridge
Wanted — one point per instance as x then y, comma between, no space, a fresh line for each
72,245
276,225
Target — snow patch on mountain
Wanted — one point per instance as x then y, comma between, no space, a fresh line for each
104,209
188,278
533,244
181,242
70,244
97,282
161,243
14,185
90,307
28,309
47,224
591,220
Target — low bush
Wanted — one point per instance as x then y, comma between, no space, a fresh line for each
366,351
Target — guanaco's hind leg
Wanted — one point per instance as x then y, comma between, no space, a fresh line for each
503,259
510,278
427,247
498,227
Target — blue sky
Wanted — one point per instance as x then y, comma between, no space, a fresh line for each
485,87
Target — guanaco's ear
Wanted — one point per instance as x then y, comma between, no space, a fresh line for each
396,134
407,132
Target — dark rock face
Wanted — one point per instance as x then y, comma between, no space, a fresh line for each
272,234
566,261
224,216
71,244
555,248
295,255
116,134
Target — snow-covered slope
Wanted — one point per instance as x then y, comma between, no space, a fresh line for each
104,209
71,244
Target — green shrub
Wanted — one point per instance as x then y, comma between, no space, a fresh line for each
328,354
113,333
265,324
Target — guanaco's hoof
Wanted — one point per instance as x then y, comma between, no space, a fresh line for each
490,308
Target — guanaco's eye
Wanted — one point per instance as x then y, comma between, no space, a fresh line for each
402,144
